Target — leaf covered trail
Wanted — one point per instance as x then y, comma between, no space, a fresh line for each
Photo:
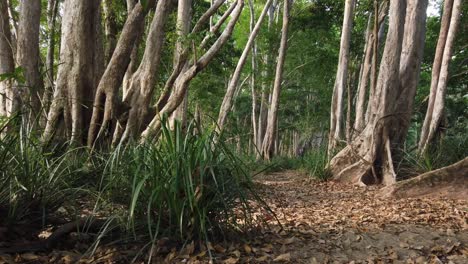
320,222
328,221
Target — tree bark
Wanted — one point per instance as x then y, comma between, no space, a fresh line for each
183,28
264,103
268,146
52,10
369,158
79,70
107,90
143,81
449,182
184,78
234,82
369,60
27,55
336,113
435,109
110,28
7,65
252,79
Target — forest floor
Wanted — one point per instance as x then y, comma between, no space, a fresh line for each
319,222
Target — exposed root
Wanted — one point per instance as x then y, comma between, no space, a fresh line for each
450,182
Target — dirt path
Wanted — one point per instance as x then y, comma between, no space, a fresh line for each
320,222
331,222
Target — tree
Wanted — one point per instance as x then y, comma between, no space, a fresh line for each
81,66
234,82
370,157
27,54
336,113
271,128
443,56
7,65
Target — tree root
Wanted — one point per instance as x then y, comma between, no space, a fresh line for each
87,223
450,182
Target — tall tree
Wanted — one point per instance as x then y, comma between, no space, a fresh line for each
27,53
7,64
81,66
443,56
234,82
336,113
268,145
52,10
366,66
369,158
183,28
183,79
110,28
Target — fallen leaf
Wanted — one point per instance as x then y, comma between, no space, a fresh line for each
29,256
231,261
247,249
283,258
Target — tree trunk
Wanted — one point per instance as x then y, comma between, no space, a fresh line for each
183,28
449,182
132,67
143,81
79,71
110,28
181,84
7,65
27,55
52,10
336,113
369,60
435,108
264,103
268,146
369,159
107,90
234,82
252,80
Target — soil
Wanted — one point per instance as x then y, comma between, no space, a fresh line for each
319,222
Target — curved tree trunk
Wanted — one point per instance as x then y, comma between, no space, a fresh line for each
450,182
268,146
252,80
181,84
336,113
435,108
143,81
27,55
368,159
105,106
7,65
234,82
81,64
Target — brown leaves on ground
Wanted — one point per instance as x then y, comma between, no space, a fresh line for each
320,222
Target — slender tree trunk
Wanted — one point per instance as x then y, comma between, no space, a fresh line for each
110,28
369,60
27,55
7,65
252,79
52,10
234,82
369,158
264,97
181,84
132,67
107,90
268,146
183,28
336,113
435,109
79,71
